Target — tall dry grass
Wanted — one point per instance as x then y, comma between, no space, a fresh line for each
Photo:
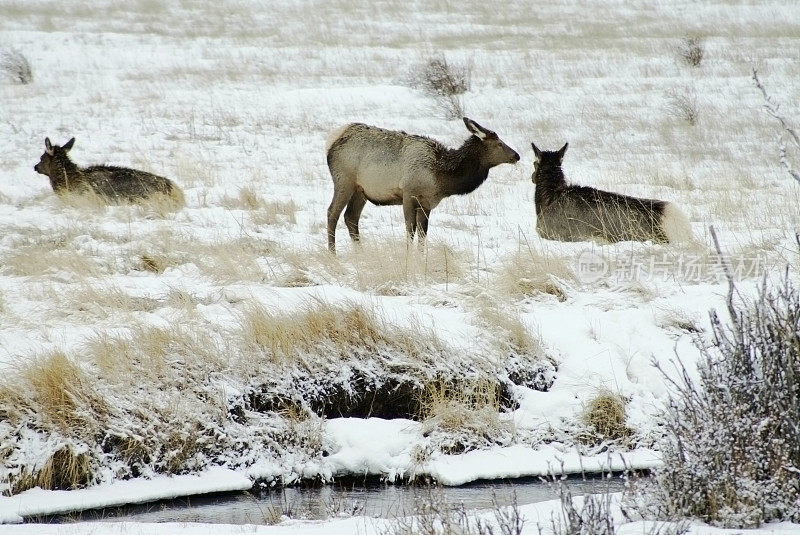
531,272
388,268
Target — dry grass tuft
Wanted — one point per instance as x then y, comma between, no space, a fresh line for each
274,213
513,335
63,392
683,105
155,264
605,417
691,50
64,470
247,199
464,416
334,328
388,268
46,256
530,273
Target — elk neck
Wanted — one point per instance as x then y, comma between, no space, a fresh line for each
461,171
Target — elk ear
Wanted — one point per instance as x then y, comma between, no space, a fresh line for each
68,145
536,152
562,151
475,129
48,147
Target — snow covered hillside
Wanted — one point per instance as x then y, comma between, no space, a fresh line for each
136,341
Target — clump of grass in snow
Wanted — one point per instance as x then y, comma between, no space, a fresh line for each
287,337
529,273
65,469
385,268
275,212
16,66
61,395
691,50
247,199
464,416
527,362
155,264
683,105
605,418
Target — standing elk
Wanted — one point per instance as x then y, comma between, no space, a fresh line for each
576,213
389,167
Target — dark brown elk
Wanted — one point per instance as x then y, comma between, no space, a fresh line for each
110,184
576,213
390,167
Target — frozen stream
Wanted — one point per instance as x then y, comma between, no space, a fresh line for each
329,501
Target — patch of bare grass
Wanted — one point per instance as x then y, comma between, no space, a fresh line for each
275,213
246,199
525,360
48,255
530,273
388,268
332,329
463,416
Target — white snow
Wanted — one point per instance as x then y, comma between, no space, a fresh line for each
35,502
230,95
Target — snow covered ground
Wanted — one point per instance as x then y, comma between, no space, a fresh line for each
234,100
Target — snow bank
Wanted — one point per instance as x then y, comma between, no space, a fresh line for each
35,502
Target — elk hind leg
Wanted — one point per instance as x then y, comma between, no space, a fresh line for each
353,213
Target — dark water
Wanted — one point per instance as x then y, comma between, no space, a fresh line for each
376,500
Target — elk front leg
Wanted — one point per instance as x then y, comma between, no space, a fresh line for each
422,224
410,206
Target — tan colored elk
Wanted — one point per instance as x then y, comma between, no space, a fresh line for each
567,212
389,167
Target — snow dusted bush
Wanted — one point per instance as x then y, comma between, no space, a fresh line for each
683,105
691,50
732,450
444,83
16,66
591,515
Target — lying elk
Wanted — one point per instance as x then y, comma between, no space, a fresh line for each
388,167
576,213
111,184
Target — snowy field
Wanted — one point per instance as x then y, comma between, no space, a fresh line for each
136,342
